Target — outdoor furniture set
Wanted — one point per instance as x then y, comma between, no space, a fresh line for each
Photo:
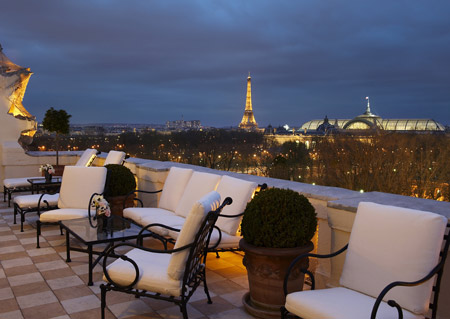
21,184
180,191
25,204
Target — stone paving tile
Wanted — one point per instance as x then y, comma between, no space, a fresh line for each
80,304
32,288
17,314
25,279
52,265
64,282
17,262
37,299
6,293
49,310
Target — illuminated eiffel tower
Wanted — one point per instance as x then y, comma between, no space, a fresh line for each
248,120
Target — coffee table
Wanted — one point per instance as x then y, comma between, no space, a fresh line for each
40,183
121,230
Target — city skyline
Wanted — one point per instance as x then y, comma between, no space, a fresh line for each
153,62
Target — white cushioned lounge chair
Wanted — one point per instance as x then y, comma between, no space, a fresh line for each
181,189
21,184
78,185
392,259
25,204
171,275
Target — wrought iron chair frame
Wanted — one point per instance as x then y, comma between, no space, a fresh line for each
194,273
23,211
437,270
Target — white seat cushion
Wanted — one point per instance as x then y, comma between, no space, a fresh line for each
114,157
226,241
174,187
152,272
87,157
18,182
31,201
55,215
241,192
78,185
200,209
137,213
339,303
198,186
166,218
389,244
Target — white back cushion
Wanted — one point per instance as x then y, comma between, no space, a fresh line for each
87,157
195,218
114,157
78,185
199,185
240,192
389,244
174,187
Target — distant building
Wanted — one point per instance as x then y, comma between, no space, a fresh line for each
248,120
370,121
183,125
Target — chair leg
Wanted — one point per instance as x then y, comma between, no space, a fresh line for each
15,213
103,300
61,230
22,220
205,287
183,309
217,254
38,232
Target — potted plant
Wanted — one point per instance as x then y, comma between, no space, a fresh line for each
119,183
56,121
277,226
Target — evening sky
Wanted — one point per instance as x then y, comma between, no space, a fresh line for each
150,61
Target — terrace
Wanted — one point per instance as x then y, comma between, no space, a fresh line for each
38,283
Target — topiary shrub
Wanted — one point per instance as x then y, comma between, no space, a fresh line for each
120,181
279,218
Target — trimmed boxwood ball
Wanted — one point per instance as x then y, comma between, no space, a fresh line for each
120,180
279,218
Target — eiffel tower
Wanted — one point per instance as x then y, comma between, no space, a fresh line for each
248,120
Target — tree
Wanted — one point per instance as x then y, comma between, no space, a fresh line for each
56,121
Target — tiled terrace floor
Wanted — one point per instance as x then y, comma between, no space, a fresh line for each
38,283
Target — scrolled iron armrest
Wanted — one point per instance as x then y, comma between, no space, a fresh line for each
136,268
393,303
140,234
211,248
231,216
89,208
137,199
44,201
306,271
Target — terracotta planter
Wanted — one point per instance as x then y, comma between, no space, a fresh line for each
266,269
116,204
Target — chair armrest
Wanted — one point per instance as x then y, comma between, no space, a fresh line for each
137,199
393,303
140,234
44,201
89,208
298,258
110,251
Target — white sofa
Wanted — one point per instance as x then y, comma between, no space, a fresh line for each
182,188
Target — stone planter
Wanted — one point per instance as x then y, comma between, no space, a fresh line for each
116,204
266,269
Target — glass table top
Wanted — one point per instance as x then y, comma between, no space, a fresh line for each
120,228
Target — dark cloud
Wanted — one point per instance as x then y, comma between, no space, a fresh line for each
152,61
